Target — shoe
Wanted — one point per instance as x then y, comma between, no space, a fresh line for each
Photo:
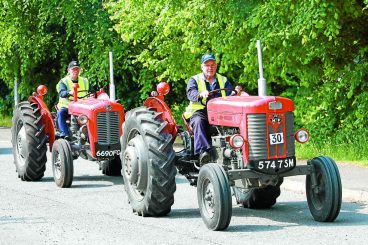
204,158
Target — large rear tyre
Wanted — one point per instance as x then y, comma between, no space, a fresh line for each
214,197
147,159
258,198
324,196
111,167
62,163
29,142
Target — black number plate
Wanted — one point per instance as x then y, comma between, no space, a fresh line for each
273,166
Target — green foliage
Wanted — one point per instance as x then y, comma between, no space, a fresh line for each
5,121
40,37
314,52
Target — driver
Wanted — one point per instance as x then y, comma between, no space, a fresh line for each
65,90
198,89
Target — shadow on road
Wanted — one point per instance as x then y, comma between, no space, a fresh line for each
184,213
289,214
297,213
114,180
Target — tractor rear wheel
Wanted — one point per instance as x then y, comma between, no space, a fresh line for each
147,159
324,196
62,163
258,198
111,167
214,196
29,142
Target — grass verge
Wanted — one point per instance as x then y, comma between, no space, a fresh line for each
5,121
355,153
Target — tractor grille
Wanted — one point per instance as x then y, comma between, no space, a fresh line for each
257,137
108,128
290,140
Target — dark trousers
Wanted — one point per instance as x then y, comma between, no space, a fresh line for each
62,115
200,126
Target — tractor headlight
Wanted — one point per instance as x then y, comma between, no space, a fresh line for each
275,105
236,141
301,136
82,119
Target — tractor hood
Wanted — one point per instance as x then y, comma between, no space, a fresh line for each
90,105
229,111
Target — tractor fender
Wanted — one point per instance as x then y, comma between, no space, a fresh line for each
46,117
166,115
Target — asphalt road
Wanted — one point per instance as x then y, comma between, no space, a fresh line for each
95,210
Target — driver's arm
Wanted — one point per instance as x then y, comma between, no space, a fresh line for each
192,90
63,90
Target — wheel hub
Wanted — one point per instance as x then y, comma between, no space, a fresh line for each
22,145
57,166
135,163
209,199
131,164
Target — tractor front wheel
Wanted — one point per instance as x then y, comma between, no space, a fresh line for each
147,159
323,188
29,142
214,197
62,163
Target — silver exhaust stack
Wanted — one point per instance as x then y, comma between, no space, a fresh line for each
112,85
262,89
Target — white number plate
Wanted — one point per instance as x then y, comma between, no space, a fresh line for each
107,153
277,138
274,166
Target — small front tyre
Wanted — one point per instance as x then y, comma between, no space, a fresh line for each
214,197
323,188
62,163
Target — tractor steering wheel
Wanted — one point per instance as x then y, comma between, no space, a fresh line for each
86,95
215,91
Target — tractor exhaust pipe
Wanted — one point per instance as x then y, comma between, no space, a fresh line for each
262,89
112,85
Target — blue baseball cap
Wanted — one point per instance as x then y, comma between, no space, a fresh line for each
73,64
207,57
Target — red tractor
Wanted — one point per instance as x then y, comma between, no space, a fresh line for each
253,139
95,126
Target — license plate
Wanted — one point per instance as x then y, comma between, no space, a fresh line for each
274,166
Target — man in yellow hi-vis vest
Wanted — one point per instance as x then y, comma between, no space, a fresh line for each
65,90
198,89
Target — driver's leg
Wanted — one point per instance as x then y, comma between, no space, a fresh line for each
199,124
61,119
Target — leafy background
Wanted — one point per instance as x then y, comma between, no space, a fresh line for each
314,52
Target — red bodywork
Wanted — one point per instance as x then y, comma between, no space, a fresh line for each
45,112
231,111
158,102
90,107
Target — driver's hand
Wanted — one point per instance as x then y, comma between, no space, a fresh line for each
71,92
204,94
